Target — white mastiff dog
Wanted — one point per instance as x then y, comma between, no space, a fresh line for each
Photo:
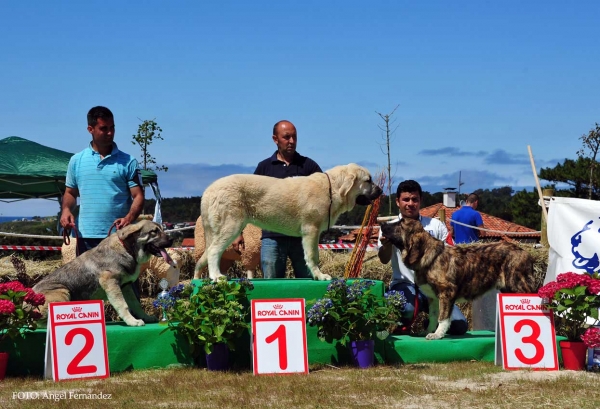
302,206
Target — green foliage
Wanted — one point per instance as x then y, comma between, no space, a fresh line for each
211,313
574,297
352,312
574,173
589,150
147,132
525,210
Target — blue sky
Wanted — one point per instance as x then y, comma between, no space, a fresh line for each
475,81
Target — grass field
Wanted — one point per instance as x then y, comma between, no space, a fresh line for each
454,385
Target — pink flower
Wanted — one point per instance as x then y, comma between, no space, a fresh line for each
591,338
6,307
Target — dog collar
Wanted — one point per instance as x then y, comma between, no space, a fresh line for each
127,249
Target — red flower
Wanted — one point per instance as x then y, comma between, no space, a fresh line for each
34,298
14,286
591,338
6,307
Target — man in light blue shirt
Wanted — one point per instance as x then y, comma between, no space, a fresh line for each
105,179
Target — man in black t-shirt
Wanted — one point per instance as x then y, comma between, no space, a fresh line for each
284,163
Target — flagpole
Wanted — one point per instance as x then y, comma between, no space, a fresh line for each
537,183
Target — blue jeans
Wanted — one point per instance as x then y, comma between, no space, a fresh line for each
458,322
274,253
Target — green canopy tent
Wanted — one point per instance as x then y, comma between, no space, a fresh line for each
29,170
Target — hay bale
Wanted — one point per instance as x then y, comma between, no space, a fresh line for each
249,257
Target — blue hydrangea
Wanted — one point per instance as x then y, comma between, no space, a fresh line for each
396,298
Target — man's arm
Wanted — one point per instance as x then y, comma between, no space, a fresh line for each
69,201
137,193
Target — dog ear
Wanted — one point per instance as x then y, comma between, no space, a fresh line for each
129,230
414,249
347,183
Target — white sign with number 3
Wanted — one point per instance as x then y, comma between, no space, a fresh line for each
279,336
525,336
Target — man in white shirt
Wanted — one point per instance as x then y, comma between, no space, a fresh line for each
408,199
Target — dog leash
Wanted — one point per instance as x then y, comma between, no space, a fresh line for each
67,239
330,202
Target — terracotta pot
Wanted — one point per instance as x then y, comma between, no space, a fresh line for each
573,354
3,364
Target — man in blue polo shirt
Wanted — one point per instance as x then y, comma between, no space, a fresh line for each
105,179
284,163
467,215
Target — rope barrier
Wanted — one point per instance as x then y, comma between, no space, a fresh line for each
497,231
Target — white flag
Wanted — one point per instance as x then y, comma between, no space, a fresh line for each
573,235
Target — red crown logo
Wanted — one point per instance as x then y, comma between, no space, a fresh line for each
77,309
278,306
525,301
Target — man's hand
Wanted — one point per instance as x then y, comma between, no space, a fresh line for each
238,244
122,222
67,220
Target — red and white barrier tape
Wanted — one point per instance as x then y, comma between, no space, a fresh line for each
56,248
35,248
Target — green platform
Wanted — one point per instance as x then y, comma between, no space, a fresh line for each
475,345
132,348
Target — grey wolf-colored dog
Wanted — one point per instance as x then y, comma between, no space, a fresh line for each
107,271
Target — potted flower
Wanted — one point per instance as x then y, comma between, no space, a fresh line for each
575,298
354,315
211,316
18,312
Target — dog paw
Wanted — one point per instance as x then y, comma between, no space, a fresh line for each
215,277
322,277
132,322
433,335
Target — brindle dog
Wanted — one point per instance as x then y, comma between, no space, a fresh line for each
455,274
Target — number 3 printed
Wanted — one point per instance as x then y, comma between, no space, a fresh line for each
532,339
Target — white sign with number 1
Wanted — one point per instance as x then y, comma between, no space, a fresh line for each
279,336
525,336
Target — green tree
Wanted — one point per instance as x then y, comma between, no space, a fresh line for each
495,202
574,173
147,132
525,209
591,146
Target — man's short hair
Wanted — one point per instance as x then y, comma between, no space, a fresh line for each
96,113
409,186
473,197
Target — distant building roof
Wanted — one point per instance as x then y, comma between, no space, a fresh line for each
489,222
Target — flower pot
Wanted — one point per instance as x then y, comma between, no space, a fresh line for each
573,354
363,352
3,364
218,359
